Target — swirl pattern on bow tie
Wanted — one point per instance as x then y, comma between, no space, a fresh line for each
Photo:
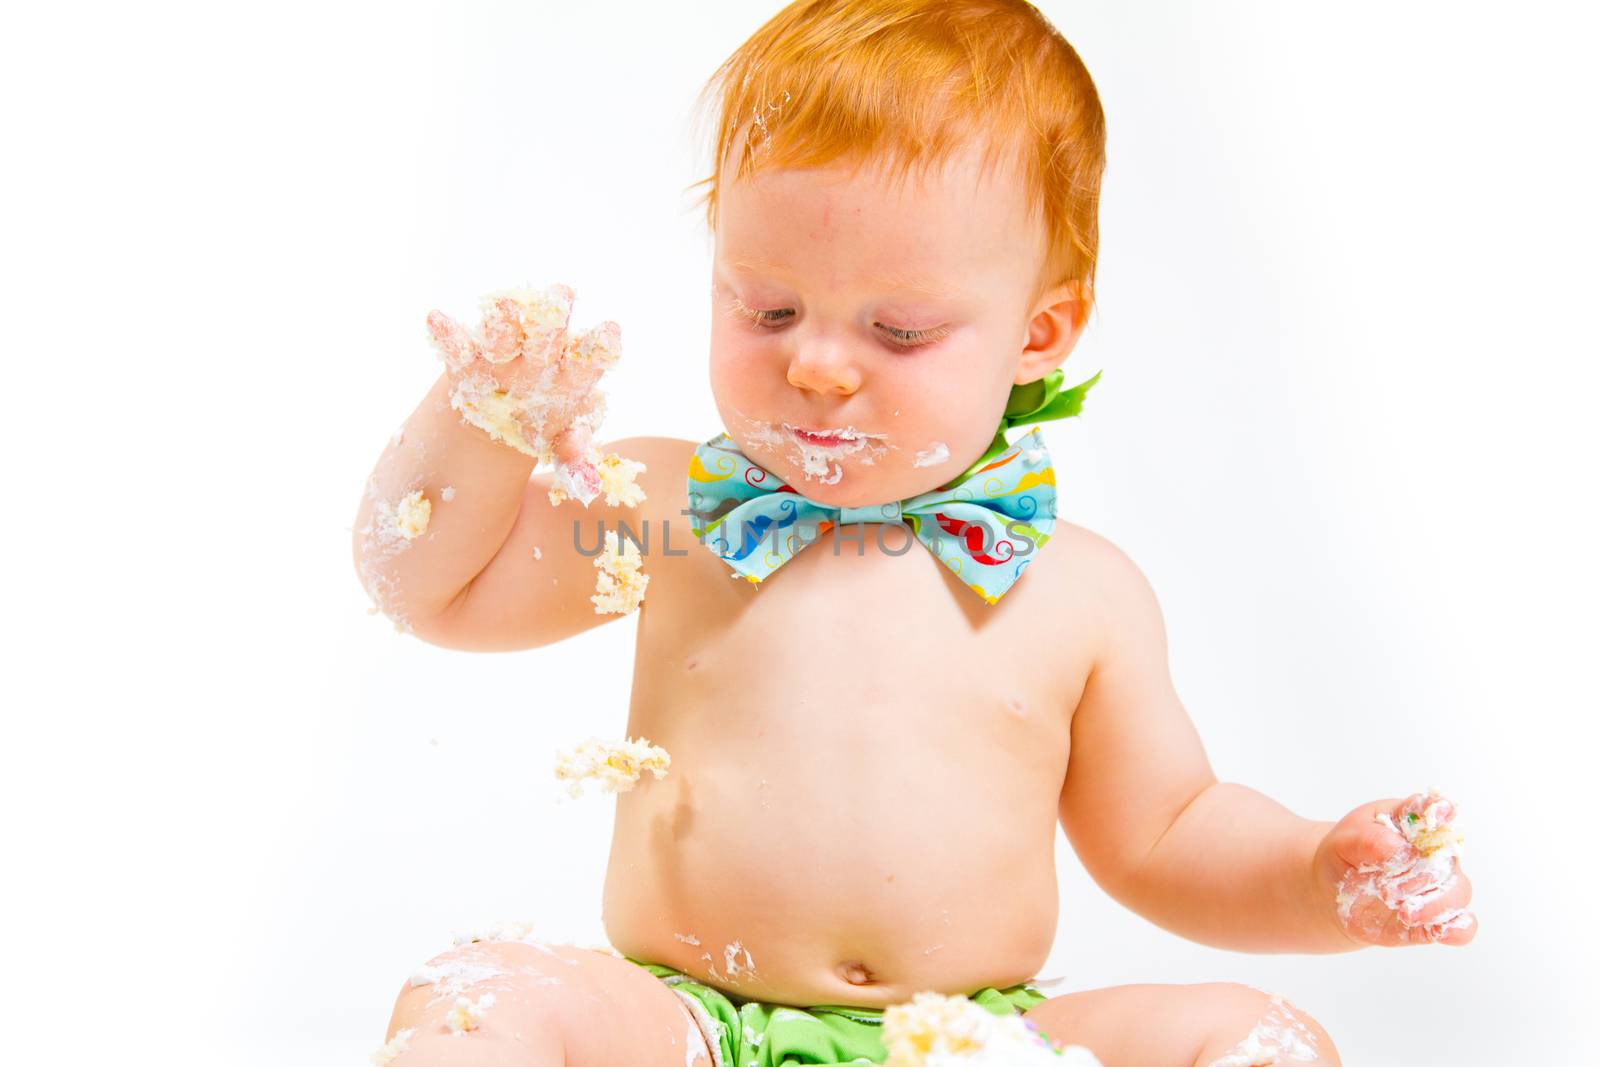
986,527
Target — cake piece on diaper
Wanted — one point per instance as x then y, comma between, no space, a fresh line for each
933,1030
1425,822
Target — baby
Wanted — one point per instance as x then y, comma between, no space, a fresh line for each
882,669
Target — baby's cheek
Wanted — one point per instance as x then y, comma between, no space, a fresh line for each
736,378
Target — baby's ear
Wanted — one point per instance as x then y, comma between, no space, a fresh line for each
1057,321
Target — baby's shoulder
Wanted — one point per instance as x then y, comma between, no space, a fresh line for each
1082,571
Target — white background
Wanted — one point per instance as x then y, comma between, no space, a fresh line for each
1345,427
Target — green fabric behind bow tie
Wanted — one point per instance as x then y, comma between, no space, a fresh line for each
1037,401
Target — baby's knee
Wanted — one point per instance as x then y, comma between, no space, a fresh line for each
500,995
1251,1025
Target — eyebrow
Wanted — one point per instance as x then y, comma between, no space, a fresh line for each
910,282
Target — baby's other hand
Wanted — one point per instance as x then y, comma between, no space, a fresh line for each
521,377
1391,872
519,333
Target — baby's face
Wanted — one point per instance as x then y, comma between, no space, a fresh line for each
865,338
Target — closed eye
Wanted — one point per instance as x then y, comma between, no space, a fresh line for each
900,338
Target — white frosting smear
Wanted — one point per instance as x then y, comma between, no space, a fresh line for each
822,463
552,395
935,454
391,1051
1277,1038
1416,873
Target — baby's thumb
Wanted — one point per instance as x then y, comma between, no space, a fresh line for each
1369,839
572,446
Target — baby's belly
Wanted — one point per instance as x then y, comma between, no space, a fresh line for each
810,850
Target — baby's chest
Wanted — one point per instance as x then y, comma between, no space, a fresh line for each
863,649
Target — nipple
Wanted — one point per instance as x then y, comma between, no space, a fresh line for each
856,973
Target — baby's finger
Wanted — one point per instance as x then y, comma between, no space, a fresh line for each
573,445
452,341
548,314
1450,896
585,357
502,329
1367,839
1455,930
599,346
1455,927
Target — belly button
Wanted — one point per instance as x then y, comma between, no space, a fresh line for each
855,973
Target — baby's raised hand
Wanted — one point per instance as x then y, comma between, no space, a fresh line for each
1392,873
524,380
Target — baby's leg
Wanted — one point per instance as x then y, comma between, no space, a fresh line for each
1186,1026
504,1003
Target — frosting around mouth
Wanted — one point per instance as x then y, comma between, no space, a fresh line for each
818,461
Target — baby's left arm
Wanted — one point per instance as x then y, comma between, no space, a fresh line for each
1219,862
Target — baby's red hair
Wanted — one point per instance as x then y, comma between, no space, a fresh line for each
908,83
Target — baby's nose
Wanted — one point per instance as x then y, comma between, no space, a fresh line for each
824,368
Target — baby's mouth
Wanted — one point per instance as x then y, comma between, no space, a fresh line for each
828,438
819,451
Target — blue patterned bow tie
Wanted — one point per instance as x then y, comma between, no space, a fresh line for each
985,525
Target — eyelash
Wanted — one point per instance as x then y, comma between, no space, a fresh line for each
898,338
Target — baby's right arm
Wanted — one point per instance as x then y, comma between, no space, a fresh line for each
453,539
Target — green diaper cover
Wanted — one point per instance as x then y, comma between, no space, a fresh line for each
749,1033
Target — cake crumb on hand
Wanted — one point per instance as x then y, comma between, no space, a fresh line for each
1426,824
1415,874
525,381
